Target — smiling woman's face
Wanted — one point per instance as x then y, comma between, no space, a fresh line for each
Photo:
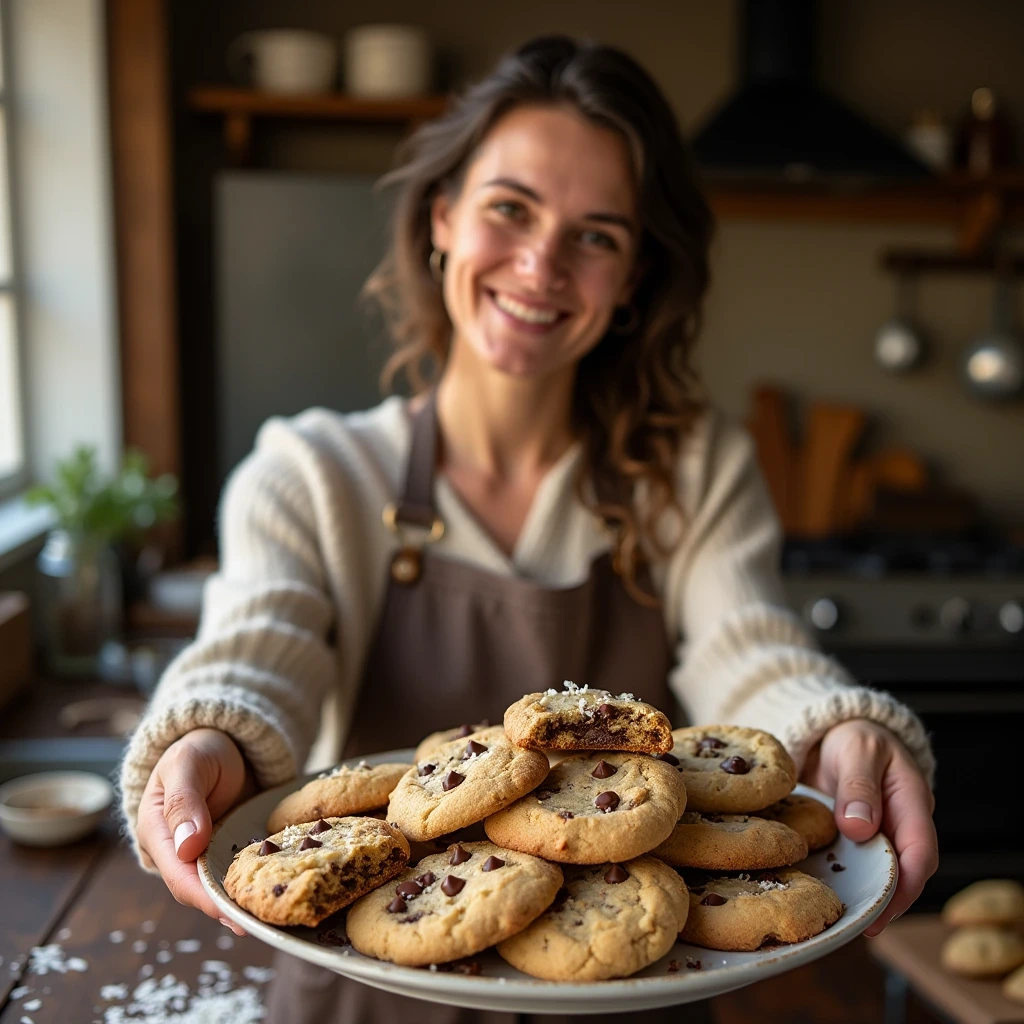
541,242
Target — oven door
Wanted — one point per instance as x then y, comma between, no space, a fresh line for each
972,704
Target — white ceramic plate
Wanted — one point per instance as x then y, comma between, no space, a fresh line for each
865,887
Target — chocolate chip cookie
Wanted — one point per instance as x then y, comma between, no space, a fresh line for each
594,808
982,951
729,769
761,908
996,901
462,782
453,904
730,842
1013,986
810,817
439,739
344,790
607,921
307,872
578,718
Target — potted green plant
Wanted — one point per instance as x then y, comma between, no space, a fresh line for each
81,603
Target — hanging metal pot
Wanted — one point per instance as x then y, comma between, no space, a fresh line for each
993,364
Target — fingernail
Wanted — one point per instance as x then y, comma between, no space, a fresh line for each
859,809
227,924
182,832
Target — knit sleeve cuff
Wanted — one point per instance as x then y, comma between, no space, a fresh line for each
248,718
805,725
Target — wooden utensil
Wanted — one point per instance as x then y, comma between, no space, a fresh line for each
832,434
899,469
769,425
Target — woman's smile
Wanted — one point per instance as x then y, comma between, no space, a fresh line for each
526,315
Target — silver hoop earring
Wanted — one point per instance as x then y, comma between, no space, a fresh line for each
632,321
436,264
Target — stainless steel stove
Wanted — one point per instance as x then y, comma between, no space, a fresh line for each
940,625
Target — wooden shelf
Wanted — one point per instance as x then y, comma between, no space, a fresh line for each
924,261
975,205
239,107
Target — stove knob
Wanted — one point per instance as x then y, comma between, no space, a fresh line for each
823,614
1011,617
955,615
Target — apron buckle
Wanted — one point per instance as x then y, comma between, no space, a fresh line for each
407,565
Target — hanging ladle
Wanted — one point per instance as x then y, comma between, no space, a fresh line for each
993,364
900,343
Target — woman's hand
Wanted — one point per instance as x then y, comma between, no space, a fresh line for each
199,778
877,784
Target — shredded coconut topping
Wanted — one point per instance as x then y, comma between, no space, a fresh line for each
767,886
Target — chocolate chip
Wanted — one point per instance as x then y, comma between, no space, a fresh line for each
604,770
545,794
320,826
427,769
278,889
464,730
472,747
605,711
711,743
694,965
269,847
615,874
452,885
451,780
673,966
459,855
310,844
735,765
713,900
409,889
234,847
566,815
397,906
492,864
426,879
831,857
607,801
838,867
668,758
331,937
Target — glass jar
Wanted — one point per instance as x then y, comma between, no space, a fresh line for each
80,601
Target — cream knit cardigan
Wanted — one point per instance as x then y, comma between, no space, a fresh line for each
288,619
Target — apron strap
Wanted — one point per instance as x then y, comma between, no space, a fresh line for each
416,507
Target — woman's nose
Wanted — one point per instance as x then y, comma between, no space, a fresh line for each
539,263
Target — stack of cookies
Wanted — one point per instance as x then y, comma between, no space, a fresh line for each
988,937
595,815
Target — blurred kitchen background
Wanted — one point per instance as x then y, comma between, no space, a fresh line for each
192,215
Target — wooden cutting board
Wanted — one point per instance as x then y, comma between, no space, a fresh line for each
776,452
831,436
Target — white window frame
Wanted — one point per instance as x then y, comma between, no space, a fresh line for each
12,483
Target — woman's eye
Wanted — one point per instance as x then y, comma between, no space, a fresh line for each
508,208
598,238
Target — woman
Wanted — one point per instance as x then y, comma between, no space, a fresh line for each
563,504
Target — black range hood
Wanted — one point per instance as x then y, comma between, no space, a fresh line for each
781,125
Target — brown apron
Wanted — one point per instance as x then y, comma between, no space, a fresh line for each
454,644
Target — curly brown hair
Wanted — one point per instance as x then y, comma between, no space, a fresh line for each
636,395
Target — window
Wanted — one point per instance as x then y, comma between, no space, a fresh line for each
12,407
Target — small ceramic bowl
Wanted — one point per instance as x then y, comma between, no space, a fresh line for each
53,808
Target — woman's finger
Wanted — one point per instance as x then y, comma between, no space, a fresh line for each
181,877
909,824
860,766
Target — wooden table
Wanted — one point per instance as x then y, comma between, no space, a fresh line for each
909,950
97,905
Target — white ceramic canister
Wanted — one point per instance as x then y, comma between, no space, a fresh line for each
387,61
284,60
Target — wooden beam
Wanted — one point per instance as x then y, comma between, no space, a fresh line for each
140,135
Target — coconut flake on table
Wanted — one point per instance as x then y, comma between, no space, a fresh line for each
44,959
140,946
116,937
32,1005
187,946
148,927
